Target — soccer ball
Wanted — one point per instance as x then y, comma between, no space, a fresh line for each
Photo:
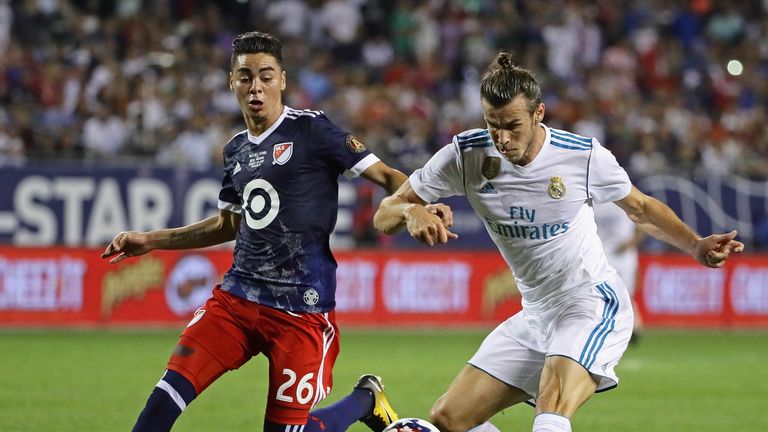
411,425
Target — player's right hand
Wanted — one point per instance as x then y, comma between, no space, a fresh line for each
126,244
427,227
714,250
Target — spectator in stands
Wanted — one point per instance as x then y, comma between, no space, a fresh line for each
104,134
627,62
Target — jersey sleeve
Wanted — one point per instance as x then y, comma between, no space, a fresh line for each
442,176
340,148
607,180
228,197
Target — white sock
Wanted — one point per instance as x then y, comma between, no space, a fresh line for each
547,422
485,427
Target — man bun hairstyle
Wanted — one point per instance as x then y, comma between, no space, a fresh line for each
256,42
504,81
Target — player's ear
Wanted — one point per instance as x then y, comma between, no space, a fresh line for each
231,85
282,81
539,113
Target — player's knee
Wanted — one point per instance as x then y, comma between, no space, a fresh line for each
449,420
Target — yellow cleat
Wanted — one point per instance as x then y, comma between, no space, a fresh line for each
382,415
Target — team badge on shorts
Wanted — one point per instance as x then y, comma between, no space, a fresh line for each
491,167
281,153
311,297
355,145
556,188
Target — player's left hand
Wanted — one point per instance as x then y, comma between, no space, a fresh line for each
714,250
443,211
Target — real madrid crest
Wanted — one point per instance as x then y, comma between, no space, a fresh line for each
491,167
556,188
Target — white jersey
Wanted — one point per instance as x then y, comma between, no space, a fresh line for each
539,215
615,229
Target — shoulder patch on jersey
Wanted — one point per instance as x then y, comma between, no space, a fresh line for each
474,138
556,189
281,153
491,167
354,145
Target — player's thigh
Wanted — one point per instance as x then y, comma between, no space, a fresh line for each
594,330
474,396
211,344
565,386
513,354
301,358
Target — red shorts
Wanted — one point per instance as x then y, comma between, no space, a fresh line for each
228,330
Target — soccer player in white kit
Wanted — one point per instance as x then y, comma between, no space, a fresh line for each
534,188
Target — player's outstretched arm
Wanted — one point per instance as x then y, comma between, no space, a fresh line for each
427,224
658,220
385,176
212,231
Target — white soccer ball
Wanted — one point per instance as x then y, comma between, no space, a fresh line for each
411,424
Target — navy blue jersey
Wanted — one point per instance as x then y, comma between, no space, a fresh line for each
284,184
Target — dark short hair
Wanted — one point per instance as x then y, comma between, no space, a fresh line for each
504,81
257,42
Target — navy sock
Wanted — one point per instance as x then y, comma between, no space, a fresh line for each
167,401
334,418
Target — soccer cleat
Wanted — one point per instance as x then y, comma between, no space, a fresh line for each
382,414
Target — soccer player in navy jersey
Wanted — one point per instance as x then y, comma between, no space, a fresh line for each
278,200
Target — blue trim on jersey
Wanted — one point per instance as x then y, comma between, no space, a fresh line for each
565,146
477,139
479,144
572,138
472,135
484,137
481,139
600,333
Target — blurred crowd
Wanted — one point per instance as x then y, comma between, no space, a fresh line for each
668,85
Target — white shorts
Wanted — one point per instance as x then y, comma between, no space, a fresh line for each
592,327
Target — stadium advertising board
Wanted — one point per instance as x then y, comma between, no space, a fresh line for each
675,291
73,287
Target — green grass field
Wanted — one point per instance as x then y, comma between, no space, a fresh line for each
99,380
